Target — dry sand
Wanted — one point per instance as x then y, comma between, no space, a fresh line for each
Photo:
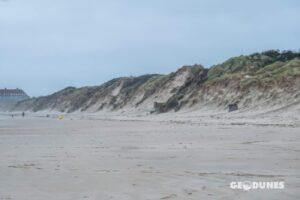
93,157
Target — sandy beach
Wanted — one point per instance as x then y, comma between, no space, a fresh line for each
149,100
85,157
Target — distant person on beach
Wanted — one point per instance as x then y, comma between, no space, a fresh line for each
23,114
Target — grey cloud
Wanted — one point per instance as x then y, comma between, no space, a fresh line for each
50,44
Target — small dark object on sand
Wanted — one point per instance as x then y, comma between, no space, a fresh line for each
233,107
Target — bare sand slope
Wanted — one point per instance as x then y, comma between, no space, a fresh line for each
46,158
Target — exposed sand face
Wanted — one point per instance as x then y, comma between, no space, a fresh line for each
81,158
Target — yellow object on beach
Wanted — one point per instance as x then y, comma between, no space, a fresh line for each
61,117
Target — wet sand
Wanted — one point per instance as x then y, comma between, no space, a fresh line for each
86,158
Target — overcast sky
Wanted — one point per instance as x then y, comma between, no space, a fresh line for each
46,45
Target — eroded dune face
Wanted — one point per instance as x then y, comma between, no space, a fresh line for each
262,80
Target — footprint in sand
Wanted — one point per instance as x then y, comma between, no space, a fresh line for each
169,196
22,166
189,191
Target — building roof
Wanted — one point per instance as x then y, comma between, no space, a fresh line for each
12,92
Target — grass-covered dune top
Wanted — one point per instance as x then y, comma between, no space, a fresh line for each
271,77
261,69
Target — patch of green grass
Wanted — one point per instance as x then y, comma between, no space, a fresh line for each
279,70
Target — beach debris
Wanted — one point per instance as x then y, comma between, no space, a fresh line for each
233,107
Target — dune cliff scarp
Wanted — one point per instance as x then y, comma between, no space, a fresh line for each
267,79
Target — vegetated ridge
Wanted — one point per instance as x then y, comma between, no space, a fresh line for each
267,79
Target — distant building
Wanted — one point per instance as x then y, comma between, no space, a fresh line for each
13,94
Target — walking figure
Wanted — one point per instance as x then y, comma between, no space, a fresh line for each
23,114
